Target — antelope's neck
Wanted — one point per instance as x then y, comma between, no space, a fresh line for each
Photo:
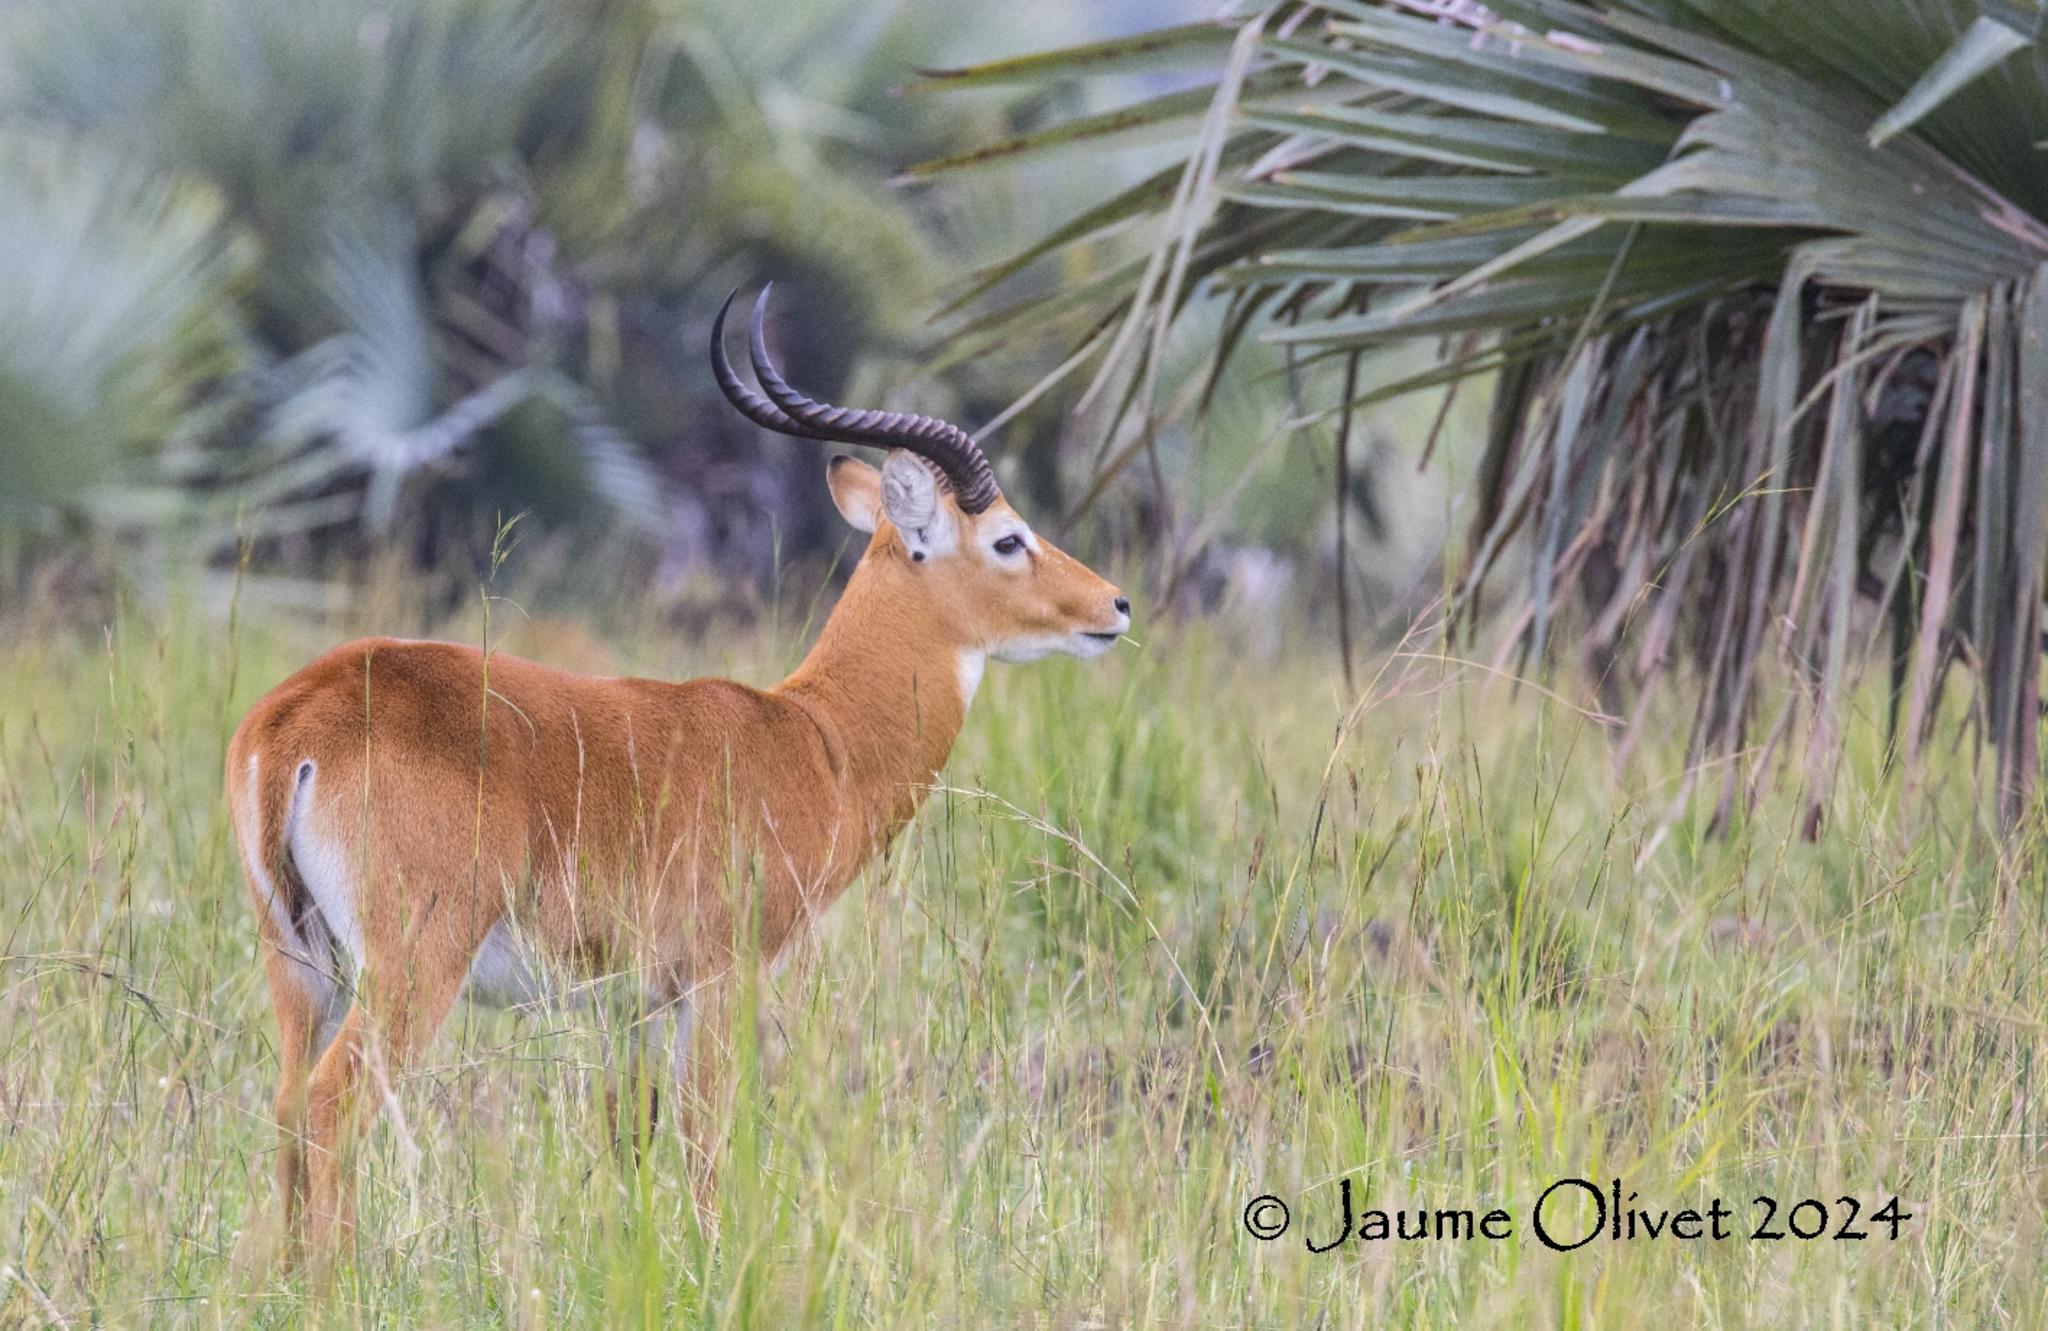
893,692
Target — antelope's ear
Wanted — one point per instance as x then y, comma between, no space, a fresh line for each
910,499
856,490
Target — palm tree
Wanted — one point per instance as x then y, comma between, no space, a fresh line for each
113,289
341,274
1759,291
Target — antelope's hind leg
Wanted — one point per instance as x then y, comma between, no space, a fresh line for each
294,1007
308,1004
415,970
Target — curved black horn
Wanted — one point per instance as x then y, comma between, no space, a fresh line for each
945,445
752,405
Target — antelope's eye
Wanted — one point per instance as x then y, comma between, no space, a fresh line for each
1009,545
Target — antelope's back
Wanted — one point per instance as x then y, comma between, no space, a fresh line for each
622,782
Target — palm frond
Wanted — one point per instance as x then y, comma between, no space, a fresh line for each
114,282
1760,285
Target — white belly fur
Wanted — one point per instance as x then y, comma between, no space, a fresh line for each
508,971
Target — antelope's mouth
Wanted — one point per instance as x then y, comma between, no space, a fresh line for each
1103,637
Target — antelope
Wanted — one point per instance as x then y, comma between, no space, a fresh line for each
418,820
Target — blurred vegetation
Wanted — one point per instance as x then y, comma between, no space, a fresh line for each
1756,294
327,278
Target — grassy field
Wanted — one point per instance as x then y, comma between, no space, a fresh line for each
1185,930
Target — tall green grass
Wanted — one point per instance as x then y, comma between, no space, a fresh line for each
1183,928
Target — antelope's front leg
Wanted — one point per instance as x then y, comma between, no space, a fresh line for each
710,1021
700,1053
657,1059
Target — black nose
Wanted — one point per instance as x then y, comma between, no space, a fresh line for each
1123,605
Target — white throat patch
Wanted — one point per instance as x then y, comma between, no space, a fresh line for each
970,665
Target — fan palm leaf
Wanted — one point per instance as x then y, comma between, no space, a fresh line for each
456,208
114,283
1764,289
350,141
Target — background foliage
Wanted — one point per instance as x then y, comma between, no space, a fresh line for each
329,279
1755,291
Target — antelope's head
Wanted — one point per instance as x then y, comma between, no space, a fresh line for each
951,545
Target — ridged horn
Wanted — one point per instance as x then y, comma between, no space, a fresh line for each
752,405
945,445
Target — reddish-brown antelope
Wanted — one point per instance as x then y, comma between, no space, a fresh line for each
418,820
